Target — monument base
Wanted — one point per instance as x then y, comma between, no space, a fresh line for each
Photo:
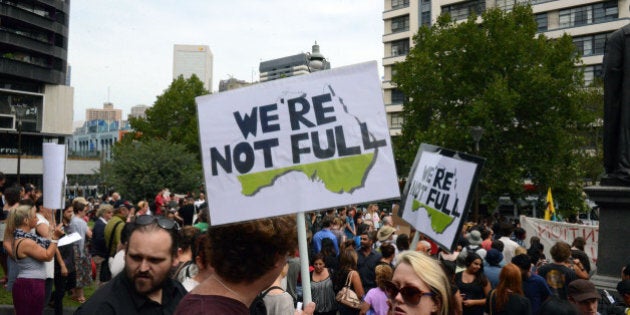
605,282
614,215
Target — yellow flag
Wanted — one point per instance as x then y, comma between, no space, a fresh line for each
550,211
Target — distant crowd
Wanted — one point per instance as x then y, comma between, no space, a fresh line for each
163,256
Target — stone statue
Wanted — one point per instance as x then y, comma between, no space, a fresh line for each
617,108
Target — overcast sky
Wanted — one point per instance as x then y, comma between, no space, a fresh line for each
122,50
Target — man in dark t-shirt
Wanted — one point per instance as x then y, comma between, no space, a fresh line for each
144,286
187,211
559,273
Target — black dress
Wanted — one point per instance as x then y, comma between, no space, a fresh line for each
473,291
516,305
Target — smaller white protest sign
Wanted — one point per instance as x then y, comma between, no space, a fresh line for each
439,191
54,159
297,144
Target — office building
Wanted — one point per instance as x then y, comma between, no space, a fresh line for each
289,66
35,104
587,21
107,113
193,59
96,138
138,111
231,84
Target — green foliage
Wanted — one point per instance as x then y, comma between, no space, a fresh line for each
173,116
140,169
521,87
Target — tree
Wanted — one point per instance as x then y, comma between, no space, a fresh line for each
521,87
173,116
140,169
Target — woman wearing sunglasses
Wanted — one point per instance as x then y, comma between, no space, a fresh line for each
419,286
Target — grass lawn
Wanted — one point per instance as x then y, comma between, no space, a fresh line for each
6,298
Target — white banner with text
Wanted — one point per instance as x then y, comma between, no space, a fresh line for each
551,232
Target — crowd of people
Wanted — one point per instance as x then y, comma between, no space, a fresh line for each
170,260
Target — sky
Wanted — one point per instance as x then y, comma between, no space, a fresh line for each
121,51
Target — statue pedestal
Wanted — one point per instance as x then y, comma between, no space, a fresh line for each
614,217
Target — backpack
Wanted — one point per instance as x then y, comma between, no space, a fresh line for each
258,306
472,250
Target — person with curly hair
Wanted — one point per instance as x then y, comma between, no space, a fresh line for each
247,258
376,298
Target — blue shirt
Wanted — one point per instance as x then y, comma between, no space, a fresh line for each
492,273
322,234
537,291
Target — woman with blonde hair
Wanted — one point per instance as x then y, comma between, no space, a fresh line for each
419,286
143,208
99,250
508,297
372,215
29,252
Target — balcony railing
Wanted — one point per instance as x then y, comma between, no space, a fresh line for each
32,18
9,37
29,71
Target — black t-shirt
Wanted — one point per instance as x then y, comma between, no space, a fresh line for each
583,257
558,278
516,305
187,212
473,291
118,296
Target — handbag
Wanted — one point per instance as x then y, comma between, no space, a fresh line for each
347,296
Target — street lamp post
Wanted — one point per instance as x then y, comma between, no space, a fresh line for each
476,132
19,110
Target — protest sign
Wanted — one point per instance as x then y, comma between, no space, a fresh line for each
54,159
438,192
298,144
550,232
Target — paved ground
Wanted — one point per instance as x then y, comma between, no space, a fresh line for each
8,310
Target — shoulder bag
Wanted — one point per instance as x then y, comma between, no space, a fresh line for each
347,296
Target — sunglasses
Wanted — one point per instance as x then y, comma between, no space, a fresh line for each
411,295
162,222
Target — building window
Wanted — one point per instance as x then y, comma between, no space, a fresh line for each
461,11
398,4
398,97
425,13
542,22
606,11
590,45
589,14
395,120
592,72
400,24
400,47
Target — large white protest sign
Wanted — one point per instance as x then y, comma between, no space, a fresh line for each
550,232
297,144
439,191
54,159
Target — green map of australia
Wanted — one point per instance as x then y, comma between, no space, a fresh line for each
338,175
439,220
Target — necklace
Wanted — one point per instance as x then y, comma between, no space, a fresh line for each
227,288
